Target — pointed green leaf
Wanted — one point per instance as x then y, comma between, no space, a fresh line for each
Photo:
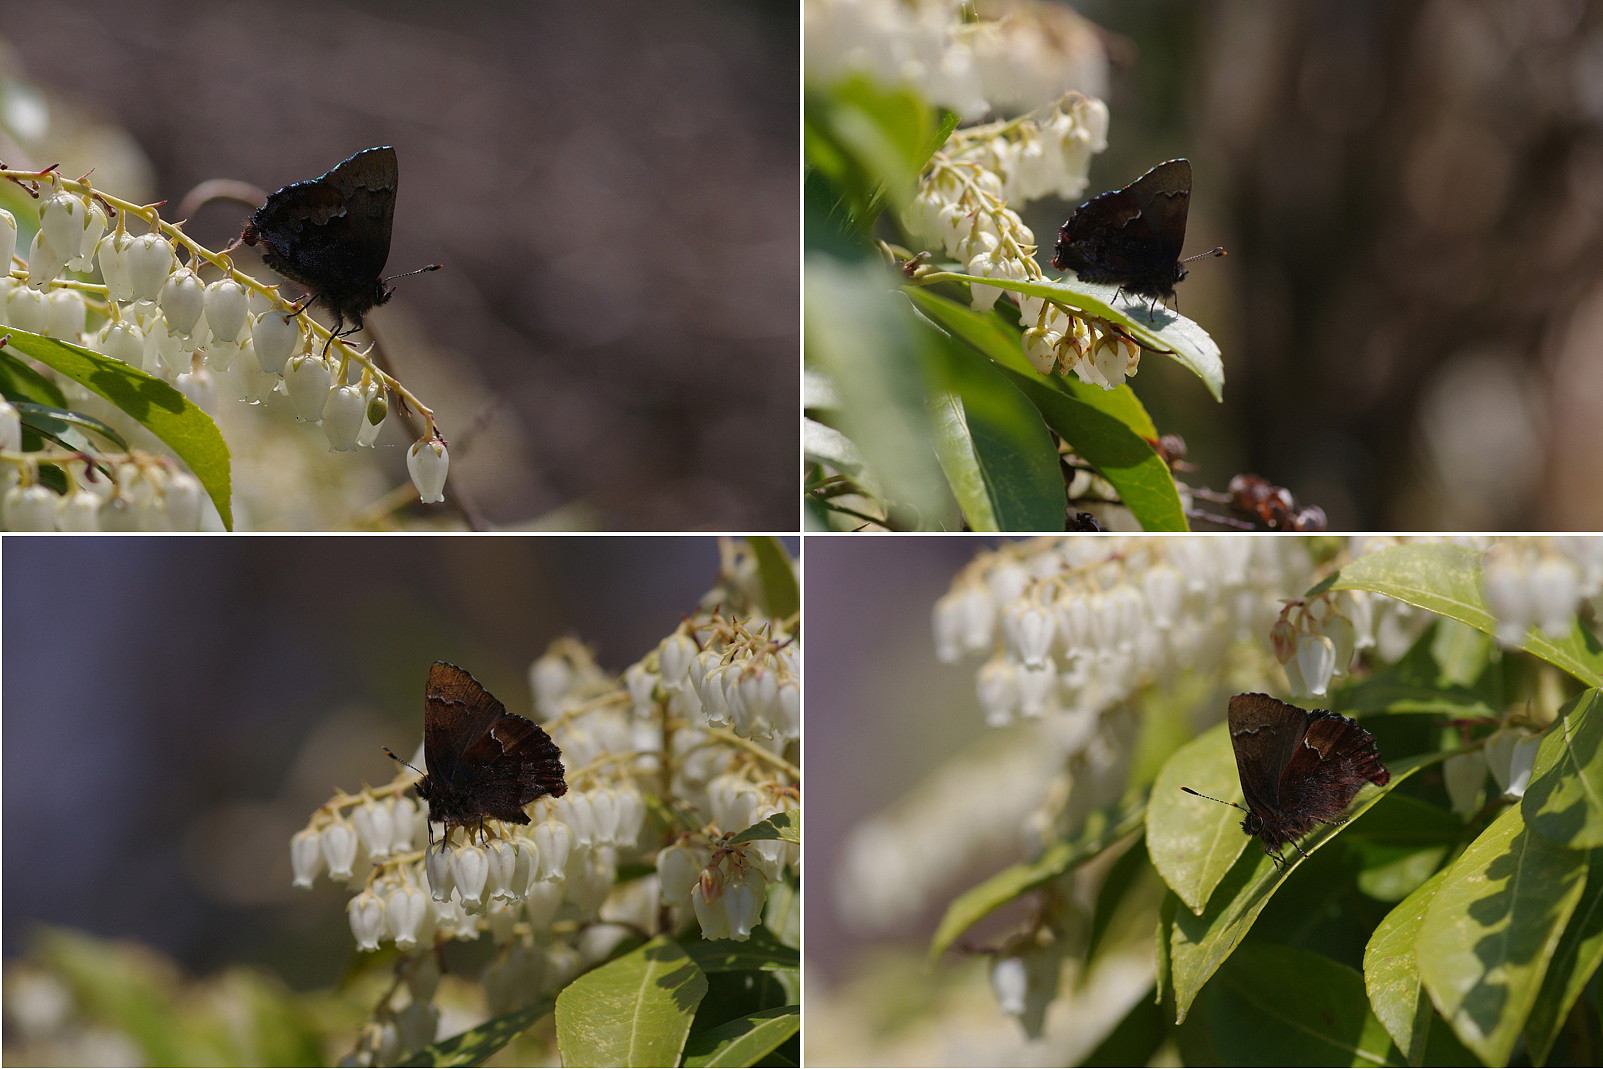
781,596
785,826
169,415
1200,944
1446,580
1195,842
745,1040
1564,803
1491,929
1576,959
1160,330
1391,972
634,1010
1102,829
1281,1005
475,1045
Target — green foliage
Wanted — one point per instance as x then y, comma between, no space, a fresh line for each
1410,934
156,406
931,412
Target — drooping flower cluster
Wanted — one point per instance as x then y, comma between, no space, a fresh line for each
184,314
1541,583
700,725
1007,55
965,205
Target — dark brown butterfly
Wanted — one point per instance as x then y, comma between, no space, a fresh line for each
1298,768
332,235
482,760
1131,237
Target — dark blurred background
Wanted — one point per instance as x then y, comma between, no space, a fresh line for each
175,708
1411,193
611,186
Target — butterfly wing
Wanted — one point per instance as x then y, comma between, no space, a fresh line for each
1265,733
332,234
1131,236
1335,758
484,761
511,765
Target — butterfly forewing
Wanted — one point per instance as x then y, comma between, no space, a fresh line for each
332,233
1265,733
482,761
1131,237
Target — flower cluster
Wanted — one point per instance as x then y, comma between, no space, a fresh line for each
1541,583
1075,626
133,491
184,314
963,207
1008,56
695,732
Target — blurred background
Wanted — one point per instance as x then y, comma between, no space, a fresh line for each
1411,193
611,186
175,709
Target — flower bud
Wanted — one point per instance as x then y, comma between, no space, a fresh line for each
343,414
366,912
44,266
150,260
226,308
305,856
307,381
65,315
277,337
8,240
182,300
29,508
427,462
339,849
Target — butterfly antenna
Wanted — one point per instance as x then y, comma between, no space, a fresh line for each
408,765
436,267
1217,250
1211,798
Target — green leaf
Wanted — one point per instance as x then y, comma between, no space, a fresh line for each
999,460
997,339
1564,803
1161,331
19,382
65,427
862,337
1193,842
760,953
1281,1005
1579,953
475,1045
871,141
1102,828
169,415
1108,428
1491,930
1391,972
785,826
1124,458
781,595
1447,580
1199,944
745,1040
634,1010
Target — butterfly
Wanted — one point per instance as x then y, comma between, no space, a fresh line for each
1299,768
332,235
1132,236
482,760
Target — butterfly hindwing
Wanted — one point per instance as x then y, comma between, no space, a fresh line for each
332,233
1131,237
482,761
